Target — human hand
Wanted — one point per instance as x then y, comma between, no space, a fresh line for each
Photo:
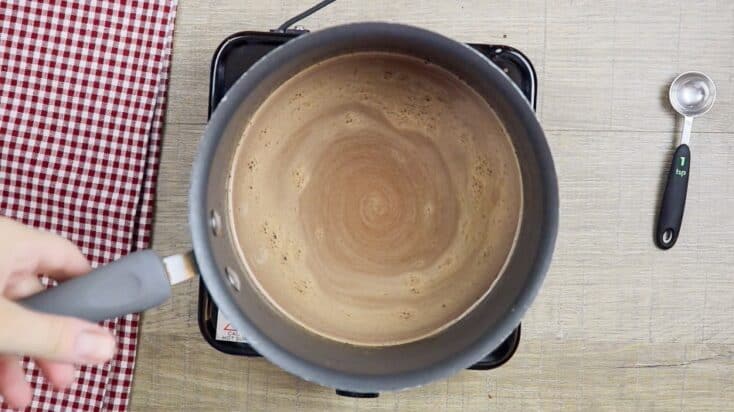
55,342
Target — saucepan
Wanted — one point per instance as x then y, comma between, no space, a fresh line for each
142,280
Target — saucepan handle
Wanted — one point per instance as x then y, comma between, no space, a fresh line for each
134,283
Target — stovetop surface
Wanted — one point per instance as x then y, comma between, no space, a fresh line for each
234,56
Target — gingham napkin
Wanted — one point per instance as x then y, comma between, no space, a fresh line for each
82,96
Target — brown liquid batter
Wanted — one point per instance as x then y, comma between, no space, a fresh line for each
375,198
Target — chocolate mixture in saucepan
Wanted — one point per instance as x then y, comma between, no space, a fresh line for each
375,198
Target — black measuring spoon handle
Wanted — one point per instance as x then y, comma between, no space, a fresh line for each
674,199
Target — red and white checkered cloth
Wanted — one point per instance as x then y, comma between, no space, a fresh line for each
82,97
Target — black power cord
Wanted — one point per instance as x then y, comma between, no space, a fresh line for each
295,19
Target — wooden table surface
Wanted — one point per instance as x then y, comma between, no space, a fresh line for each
618,324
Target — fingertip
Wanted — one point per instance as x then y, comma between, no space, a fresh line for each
61,375
95,345
62,258
16,392
76,263
20,399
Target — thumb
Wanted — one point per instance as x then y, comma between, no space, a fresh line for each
59,338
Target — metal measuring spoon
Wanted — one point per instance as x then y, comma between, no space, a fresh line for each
691,94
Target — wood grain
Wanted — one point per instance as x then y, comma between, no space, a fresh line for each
618,325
